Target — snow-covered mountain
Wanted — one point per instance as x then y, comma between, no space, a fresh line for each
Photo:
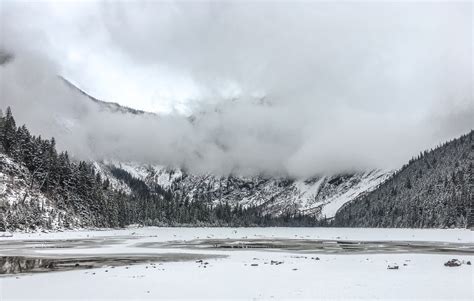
321,196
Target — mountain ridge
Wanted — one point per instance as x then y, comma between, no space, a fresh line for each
107,105
320,196
40,188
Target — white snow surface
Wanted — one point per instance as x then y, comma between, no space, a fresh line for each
342,277
368,182
188,233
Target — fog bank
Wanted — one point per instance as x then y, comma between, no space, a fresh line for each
287,88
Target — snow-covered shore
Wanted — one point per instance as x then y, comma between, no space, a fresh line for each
242,274
186,233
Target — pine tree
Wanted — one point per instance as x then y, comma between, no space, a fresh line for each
8,135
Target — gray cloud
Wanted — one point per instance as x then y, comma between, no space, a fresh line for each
281,88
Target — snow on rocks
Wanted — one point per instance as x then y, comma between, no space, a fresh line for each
453,263
15,184
321,196
17,189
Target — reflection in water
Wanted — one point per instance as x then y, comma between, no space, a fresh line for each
23,264
19,264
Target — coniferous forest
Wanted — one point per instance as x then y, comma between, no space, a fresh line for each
53,190
58,191
434,190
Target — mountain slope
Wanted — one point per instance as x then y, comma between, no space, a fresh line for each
24,203
433,190
104,105
43,189
317,196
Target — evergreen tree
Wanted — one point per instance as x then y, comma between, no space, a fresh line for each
8,134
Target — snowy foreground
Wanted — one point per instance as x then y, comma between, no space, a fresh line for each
185,267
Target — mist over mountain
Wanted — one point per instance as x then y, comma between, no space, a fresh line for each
247,135
179,149
42,188
405,83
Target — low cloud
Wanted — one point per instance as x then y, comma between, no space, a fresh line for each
322,88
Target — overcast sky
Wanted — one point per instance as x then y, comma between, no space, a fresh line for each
300,87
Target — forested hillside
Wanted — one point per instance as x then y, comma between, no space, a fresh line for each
432,190
319,195
43,189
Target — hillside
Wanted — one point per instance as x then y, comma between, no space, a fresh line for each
43,189
433,190
318,196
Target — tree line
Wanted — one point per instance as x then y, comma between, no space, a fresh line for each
78,196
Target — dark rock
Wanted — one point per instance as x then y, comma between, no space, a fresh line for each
392,267
452,263
276,262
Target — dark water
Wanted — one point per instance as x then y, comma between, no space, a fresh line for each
6,245
323,246
19,257
23,264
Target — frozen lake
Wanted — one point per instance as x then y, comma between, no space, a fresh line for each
238,263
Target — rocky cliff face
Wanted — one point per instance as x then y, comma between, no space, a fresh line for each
321,196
